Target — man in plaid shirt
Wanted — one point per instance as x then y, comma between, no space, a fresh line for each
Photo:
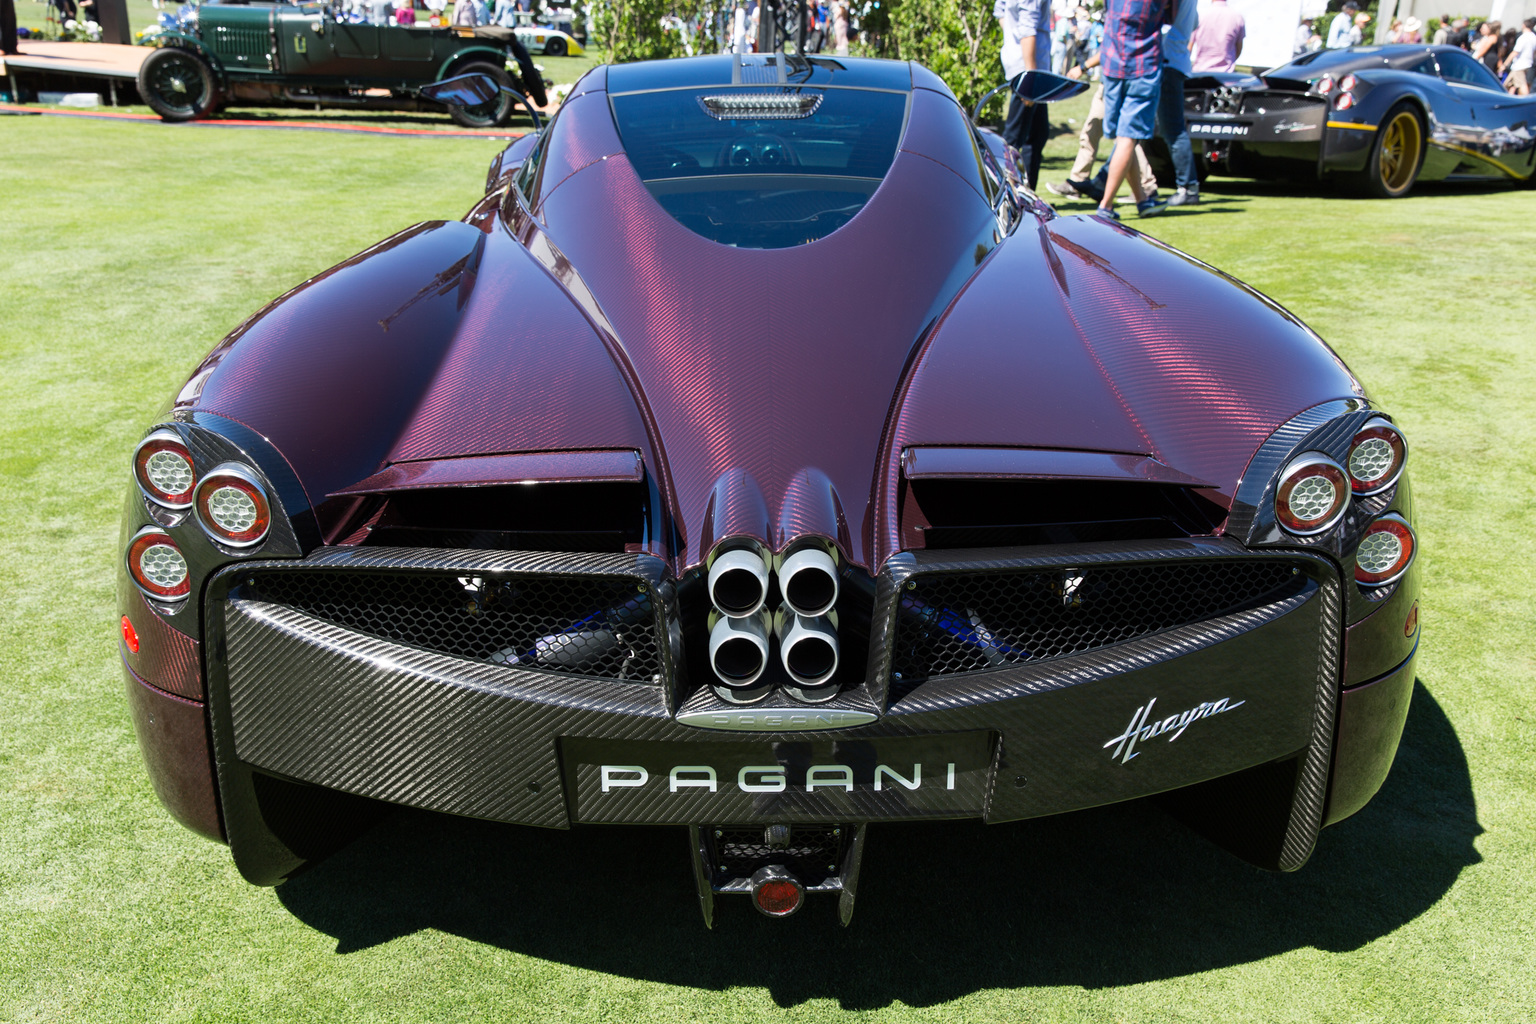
1131,57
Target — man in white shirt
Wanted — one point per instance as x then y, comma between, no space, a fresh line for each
1026,47
1521,59
1343,25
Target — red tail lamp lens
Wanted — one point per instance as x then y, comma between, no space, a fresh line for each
232,506
1312,495
1376,457
156,565
1344,102
163,467
130,636
1324,85
776,892
1385,552
1348,82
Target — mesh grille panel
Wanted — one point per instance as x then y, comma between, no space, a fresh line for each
602,626
950,623
811,853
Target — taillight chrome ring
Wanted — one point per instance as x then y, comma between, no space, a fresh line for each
232,506
162,467
157,566
1312,496
1377,455
1386,550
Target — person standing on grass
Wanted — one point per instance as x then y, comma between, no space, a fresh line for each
1521,59
1132,61
8,29
1177,39
1026,28
1343,24
1219,39
1081,182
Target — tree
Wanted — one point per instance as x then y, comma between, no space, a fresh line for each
958,40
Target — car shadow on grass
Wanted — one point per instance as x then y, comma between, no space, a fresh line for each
1112,896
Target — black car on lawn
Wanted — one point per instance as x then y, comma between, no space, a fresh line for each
1377,118
310,55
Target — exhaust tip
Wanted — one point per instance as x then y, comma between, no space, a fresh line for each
738,650
809,581
808,649
738,582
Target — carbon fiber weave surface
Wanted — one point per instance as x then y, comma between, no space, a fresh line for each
310,701
1312,783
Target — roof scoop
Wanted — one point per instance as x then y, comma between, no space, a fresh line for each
761,106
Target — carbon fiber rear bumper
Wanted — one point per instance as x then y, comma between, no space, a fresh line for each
313,722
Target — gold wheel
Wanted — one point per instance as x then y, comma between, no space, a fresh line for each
1402,139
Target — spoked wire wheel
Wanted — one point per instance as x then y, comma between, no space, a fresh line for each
177,84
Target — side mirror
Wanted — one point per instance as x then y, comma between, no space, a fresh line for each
463,90
1038,86
474,89
1046,87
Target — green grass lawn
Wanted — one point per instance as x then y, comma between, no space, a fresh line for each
127,250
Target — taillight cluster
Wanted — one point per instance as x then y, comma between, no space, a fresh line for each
1314,493
228,502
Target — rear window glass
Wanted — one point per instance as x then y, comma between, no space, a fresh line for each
761,167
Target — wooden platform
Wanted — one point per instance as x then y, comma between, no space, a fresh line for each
98,60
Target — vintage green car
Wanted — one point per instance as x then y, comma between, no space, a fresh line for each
311,55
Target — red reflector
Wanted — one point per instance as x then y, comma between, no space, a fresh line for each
1412,625
778,898
130,636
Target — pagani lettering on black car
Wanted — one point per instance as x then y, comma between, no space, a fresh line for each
597,507
1378,119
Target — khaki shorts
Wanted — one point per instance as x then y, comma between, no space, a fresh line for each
1519,80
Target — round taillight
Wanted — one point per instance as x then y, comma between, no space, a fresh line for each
1313,494
1324,85
1348,82
156,565
163,467
1385,552
1343,102
232,506
776,892
1376,457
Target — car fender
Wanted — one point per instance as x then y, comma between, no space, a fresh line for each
471,53
193,43
1345,149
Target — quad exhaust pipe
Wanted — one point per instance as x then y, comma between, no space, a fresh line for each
739,588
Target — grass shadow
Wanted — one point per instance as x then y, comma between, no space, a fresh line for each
1113,896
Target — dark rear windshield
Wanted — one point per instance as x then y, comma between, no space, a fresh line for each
761,167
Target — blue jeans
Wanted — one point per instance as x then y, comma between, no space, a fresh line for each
1170,125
